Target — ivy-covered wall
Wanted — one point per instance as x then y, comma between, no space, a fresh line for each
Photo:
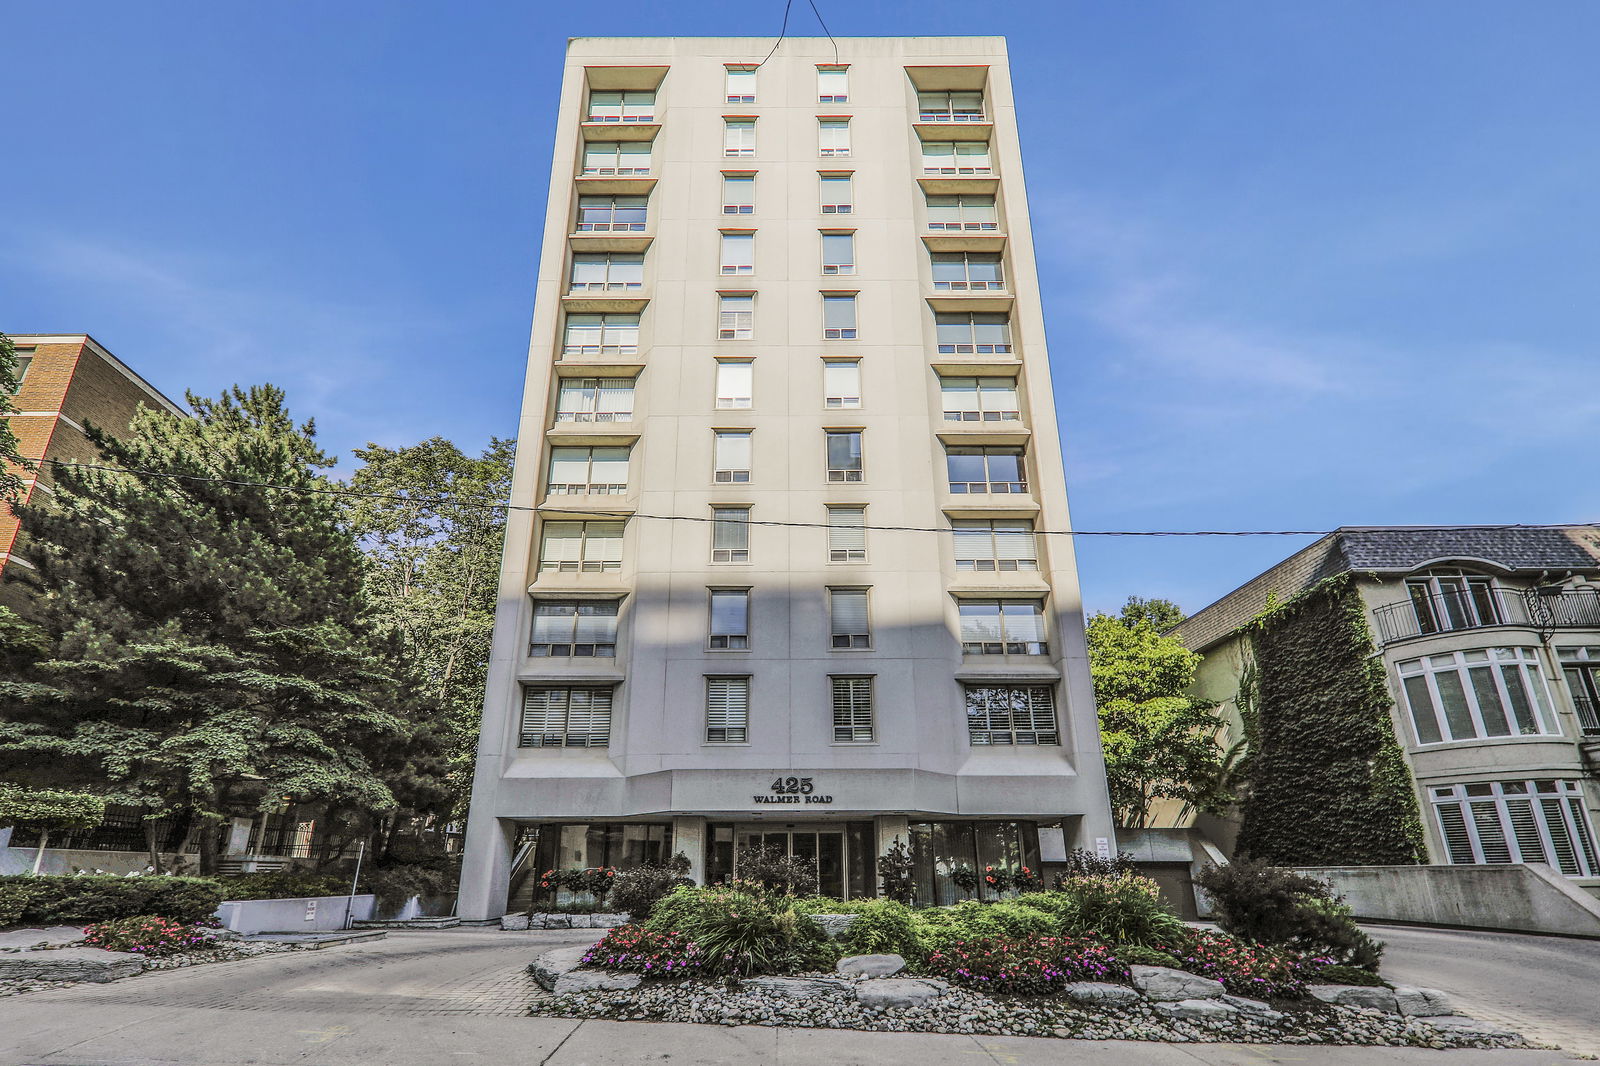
1327,783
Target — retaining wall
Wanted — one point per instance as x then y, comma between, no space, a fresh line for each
1523,897
319,914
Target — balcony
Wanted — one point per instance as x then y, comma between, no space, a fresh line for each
1588,715
1484,608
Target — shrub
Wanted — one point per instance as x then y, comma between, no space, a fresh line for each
970,920
638,890
398,882
645,951
777,871
1084,863
882,926
1026,879
57,899
149,935
896,872
997,878
1034,966
596,881
1245,969
1343,975
1279,907
283,884
1123,909
742,928
1140,955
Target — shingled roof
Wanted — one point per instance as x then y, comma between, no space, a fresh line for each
1397,550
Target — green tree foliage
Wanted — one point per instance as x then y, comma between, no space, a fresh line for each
1159,743
434,544
49,811
205,641
12,464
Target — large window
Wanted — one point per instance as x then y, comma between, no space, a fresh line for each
848,623
841,384
565,716
990,545
739,137
852,710
939,849
956,159
730,620
844,455
1471,695
833,85
975,470
968,272
1517,821
602,335
978,399
730,534
838,253
580,547
1011,714
1002,627
731,456
727,710
735,384
607,272
839,316
1582,669
838,197
738,193
632,105
618,159
847,534
833,136
736,316
588,470
741,85
973,332
968,212
738,253
1453,599
964,106
612,214
594,400
574,629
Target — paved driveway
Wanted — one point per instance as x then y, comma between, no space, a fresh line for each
455,996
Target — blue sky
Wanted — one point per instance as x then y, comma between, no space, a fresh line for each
1305,264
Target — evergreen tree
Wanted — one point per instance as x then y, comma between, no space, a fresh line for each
12,464
204,640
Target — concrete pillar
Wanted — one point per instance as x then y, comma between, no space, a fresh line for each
689,837
892,827
238,836
486,868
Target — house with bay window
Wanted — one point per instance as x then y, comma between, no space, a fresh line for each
1489,638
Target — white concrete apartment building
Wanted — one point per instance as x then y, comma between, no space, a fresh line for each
783,308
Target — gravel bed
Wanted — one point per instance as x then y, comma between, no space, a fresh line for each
961,1011
224,951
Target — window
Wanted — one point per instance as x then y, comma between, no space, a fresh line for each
967,272
736,316
735,384
833,85
1470,695
852,710
1011,714
607,272
841,384
989,545
1582,669
730,534
844,455
633,105
564,716
1517,821
964,159
973,332
730,619
838,253
950,107
24,360
985,469
967,212
581,547
738,253
594,400
738,137
731,456
979,399
577,471
738,194
847,534
727,710
839,316
612,214
833,136
847,619
741,85
602,335
1453,599
838,194
574,629
620,159
1002,627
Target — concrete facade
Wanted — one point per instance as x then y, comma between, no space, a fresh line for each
1526,897
908,760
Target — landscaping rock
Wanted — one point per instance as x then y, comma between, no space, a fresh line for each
894,992
1473,1027
834,926
69,964
1164,984
580,921
1102,993
798,987
514,921
1197,1010
1422,1002
608,921
1255,1008
1356,996
594,981
550,967
871,965
36,938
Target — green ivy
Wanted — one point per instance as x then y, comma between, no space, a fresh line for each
1327,784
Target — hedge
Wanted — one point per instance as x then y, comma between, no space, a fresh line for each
55,899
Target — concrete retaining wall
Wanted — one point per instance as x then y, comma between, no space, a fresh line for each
318,914
1524,897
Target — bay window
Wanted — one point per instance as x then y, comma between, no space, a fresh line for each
1474,695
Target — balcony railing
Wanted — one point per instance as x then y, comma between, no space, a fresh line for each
1483,607
1588,716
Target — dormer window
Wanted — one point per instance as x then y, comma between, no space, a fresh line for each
1454,599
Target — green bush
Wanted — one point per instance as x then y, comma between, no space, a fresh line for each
283,884
1278,907
742,929
1121,909
637,891
1139,955
58,899
1346,975
882,927
398,882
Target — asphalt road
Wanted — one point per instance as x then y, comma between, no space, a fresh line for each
458,996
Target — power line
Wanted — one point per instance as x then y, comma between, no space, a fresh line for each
782,33
825,29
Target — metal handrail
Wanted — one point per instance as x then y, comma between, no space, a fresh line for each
1483,608
1588,715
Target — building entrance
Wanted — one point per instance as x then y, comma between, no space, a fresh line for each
825,847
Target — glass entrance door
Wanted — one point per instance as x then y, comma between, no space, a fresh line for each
822,847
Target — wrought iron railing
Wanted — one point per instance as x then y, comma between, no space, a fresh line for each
1481,607
1588,716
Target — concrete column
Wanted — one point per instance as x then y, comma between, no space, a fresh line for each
486,868
239,836
892,827
689,837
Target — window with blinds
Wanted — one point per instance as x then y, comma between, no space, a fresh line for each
837,195
985,470
847,619
730,534
739,137
847,534
735,384
977,399
838,253
580,547
844,455
841,384
1011,714
990,545
972,332
972,213
839,316
594,400
738,194
583,470
607,272
964,159
852,710
612,214
1517,821
741,85
833,85
574,629
621,159
738,253
736,316
727,710
730,620
634,105
601,335
731,456
563,716
1002,627
833,137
